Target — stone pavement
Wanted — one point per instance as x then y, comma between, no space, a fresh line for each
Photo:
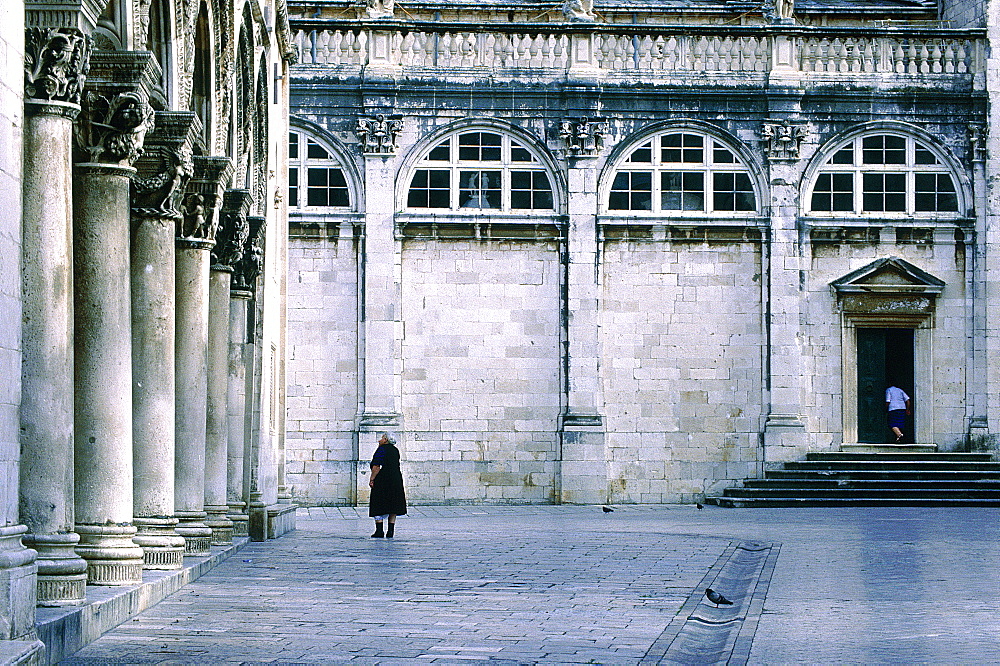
570,584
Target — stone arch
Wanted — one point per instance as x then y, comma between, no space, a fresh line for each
948,161
203,72
537,147
351,169
259,150
159,40
747,158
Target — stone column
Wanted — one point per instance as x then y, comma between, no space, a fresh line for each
253,266
240,355
230,239
115,118
164,170
583,463
196,237
381,288
785,432
46,413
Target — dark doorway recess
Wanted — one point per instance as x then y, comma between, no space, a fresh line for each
885,357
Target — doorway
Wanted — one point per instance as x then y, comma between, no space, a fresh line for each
885,357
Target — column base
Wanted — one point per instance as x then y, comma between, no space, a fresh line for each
258,520
162,547
112,557
17,585
239,519
62,573
785,438
221,526
197,535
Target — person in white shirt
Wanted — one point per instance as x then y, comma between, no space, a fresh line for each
898,405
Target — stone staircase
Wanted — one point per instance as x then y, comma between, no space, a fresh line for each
874,475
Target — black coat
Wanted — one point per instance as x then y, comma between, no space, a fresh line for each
387,494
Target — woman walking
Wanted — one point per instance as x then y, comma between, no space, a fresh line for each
387,497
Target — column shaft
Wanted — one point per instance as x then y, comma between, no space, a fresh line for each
236,402
217,436
153,425
193,259
103,400
46,415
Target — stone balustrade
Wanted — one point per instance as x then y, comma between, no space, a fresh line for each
628,51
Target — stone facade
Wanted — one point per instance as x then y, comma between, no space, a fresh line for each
124,126
626,252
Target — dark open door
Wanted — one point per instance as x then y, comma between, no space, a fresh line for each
885,356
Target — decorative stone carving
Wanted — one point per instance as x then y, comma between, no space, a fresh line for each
579,10
783,139
112,130
378,9
252,262
977,142
378,134
158,191
56,61
197,221
204,194
584,136
233,230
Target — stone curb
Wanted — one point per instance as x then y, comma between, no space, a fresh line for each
67,630
701,633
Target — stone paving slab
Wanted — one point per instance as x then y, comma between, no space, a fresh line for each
573,585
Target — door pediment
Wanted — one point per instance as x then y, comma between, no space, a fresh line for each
888,292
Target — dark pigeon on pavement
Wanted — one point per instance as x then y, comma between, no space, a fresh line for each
717,598
606,509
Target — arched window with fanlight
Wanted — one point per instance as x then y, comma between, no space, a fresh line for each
884,174
316,178
480,170
681,172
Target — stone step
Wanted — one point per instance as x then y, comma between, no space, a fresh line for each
863,484
915,456
886,492
854,500
942,474
915,466
888,448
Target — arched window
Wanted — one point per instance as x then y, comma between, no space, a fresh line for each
201,95
480,170
883,174
682,172
315,177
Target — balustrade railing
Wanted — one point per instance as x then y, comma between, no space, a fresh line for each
936,52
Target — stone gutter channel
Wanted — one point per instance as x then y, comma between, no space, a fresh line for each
69,629
700,633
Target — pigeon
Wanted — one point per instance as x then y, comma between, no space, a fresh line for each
717,598
699,505
606,509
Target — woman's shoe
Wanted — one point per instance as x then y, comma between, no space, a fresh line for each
378,531
390,530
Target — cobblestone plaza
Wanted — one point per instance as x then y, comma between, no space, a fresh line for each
575,585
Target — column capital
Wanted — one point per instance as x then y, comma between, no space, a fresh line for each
584,137
378,133
233,230
202,199
79,14
165,167
252,262
56,63
783,138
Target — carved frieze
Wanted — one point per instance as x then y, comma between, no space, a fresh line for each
584,136
166,166
56,61
977,142
233,230
378,134
783,139
111,129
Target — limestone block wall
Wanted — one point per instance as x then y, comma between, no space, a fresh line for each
964,13
681,349
480,375
11,90
322,370
944,399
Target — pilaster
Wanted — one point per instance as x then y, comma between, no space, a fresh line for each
163,173
230,241
381,322
583,477
195,239
115,118
251,267
56,64
785,432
